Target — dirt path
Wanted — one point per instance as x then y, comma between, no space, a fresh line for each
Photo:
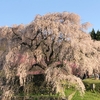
70,96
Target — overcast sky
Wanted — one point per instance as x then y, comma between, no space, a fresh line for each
24,11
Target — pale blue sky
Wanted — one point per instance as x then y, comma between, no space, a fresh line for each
24,11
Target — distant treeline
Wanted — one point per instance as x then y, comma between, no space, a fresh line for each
95,35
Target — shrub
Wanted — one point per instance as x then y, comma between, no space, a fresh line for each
89,84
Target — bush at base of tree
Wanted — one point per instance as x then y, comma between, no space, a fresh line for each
89,84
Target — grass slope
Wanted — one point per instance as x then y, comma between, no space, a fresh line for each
87,96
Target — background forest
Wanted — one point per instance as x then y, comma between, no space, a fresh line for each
95,35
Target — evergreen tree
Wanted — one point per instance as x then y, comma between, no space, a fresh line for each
98,35
93,34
